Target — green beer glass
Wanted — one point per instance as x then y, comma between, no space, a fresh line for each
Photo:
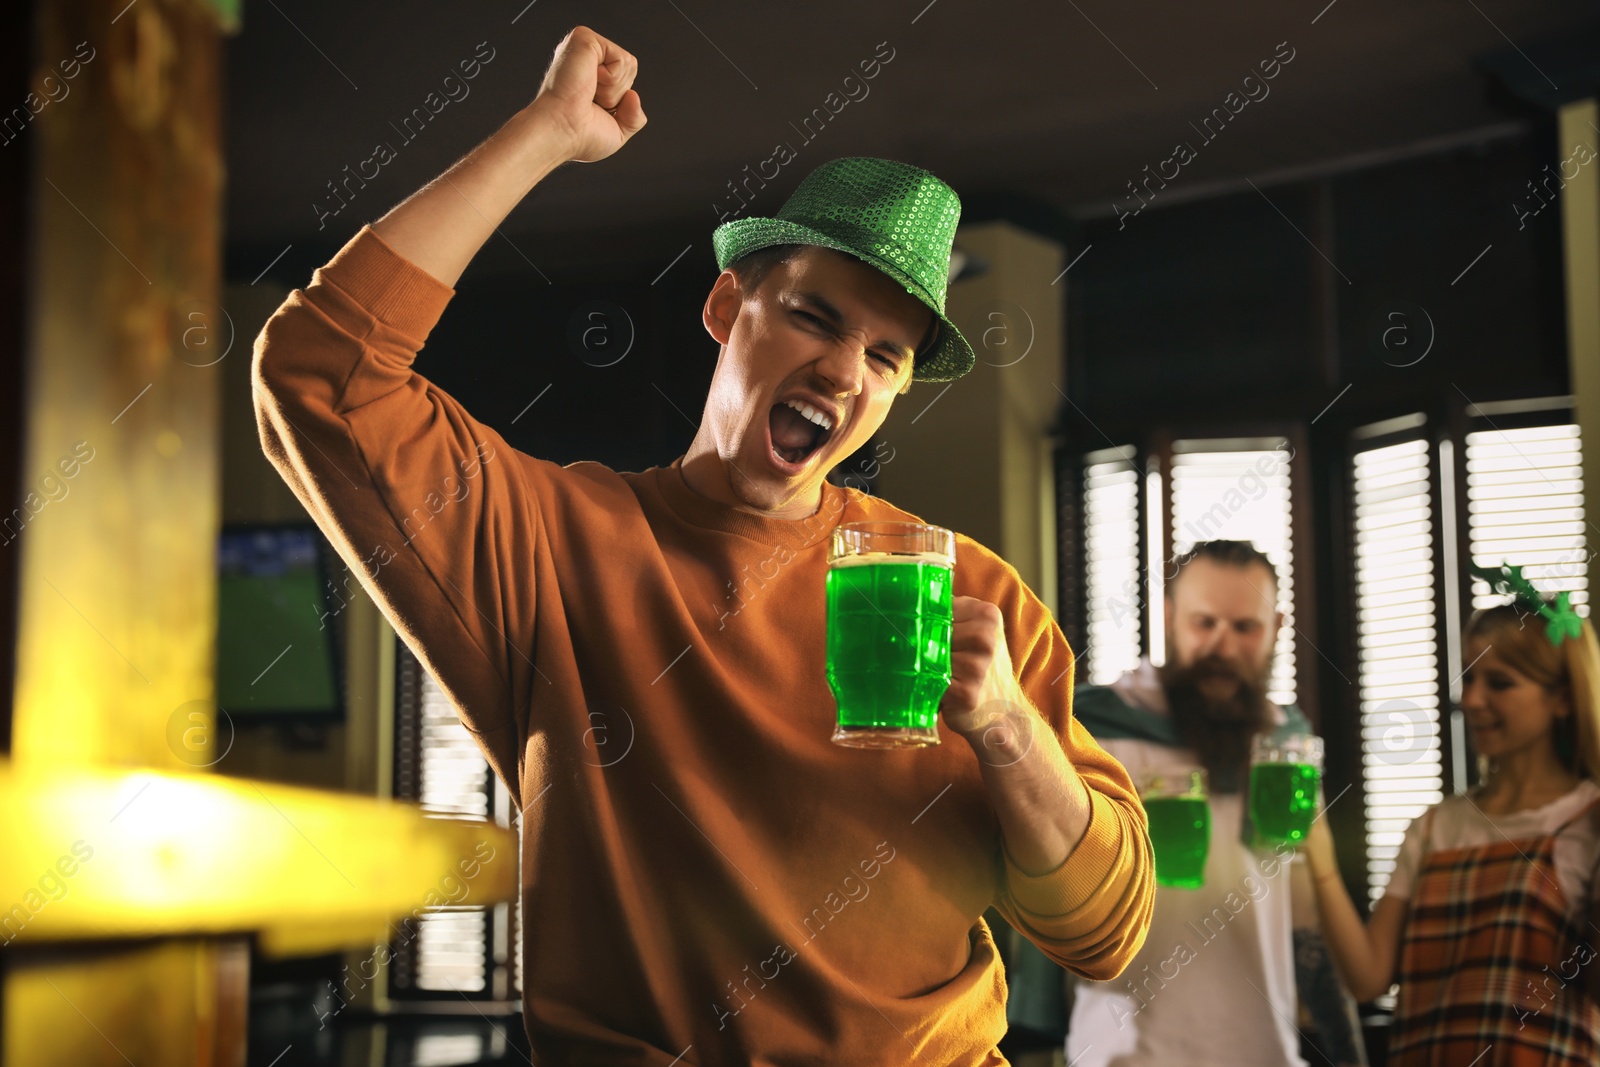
1180,825
889,590
1285,773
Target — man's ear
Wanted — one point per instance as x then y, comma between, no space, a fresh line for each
722,307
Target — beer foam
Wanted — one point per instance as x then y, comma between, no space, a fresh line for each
864,558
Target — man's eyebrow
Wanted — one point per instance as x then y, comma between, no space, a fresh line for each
835,316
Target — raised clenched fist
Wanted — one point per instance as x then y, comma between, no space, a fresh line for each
587,93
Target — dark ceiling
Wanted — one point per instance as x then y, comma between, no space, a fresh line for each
1059,104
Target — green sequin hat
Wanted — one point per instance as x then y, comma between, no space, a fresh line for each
892,216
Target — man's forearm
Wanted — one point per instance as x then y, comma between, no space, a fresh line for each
1041,801
444,224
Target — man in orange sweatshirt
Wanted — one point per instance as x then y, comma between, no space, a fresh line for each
733,888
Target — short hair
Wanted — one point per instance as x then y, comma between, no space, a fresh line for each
753,267
1226,553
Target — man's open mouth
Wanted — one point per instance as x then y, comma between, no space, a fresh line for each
798,430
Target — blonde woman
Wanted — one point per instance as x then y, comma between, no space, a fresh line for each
1490,922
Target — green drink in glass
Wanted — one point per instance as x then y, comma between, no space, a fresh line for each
1285,774
889,590
1180,826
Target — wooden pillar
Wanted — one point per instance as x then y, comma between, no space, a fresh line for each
117,602
1580,239
118,520
135,951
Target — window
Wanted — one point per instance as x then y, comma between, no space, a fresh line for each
455,778
1520,476
1396,616
1525,506
457,948
1111,563
452,941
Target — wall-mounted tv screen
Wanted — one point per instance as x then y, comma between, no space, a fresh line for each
276,653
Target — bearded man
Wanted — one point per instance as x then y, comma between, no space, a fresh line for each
1216,981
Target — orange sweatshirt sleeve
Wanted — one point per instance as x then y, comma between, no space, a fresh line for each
429,508
1092,913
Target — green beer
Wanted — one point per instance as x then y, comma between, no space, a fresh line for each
1180,824
1180,831
888,620
1283,801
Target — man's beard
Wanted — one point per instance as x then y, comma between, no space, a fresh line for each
1218,731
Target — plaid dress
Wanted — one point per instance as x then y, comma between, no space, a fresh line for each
1492,963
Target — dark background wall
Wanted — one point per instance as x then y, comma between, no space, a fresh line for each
1039,114
1268,303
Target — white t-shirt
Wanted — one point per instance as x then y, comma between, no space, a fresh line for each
1458,822
1214,982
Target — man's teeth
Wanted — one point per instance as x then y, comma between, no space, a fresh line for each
811,413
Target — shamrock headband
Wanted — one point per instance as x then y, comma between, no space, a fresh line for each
1561,621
